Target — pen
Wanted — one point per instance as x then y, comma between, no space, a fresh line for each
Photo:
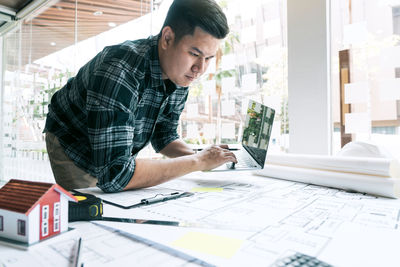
230,149
233,165
161,198
151,200
78,252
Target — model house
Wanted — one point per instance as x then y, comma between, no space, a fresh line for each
32,211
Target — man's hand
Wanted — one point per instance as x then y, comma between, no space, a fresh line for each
215,156
153,172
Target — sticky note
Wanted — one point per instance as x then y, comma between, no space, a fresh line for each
228,130
220,246
389,90
192,131
209,131
192,110
228,108
273,101
356,92
248,35
390,57
249,82
228,62
355,33
209,87
357,123
245,103
207,189
206,102
272,28
227,84
246,10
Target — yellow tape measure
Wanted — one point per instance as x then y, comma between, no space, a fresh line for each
87,208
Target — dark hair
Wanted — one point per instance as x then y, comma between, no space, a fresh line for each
185,15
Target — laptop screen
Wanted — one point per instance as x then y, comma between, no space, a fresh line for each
257,130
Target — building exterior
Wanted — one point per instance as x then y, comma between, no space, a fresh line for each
32,211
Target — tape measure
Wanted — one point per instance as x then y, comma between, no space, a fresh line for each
87,208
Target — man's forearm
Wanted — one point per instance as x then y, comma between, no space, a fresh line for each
153,172
177,148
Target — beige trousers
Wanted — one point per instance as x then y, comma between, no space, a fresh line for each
66,173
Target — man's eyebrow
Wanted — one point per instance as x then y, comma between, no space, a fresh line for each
198,50
201,52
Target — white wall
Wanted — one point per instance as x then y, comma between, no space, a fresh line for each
34,225
63,213
308,77
10,225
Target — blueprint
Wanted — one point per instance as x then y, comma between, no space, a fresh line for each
274,217
263,218
99,248
253,203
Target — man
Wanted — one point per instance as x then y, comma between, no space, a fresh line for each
132,94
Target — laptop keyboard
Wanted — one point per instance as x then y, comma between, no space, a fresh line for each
244,161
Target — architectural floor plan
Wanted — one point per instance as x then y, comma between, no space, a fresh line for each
249,220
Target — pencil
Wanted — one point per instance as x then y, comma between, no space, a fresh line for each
78,252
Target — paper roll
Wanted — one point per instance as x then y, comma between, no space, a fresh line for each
388,187
381,167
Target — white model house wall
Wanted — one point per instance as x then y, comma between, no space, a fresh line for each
33,227
10,225
63,213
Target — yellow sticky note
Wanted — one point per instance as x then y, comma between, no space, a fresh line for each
221,246
207,189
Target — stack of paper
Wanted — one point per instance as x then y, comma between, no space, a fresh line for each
377,176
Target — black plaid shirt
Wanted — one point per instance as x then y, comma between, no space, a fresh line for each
115,105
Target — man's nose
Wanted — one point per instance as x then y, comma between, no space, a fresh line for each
199,66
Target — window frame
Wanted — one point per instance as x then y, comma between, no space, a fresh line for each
56,225
45,212
396,18
21,227
56,209
45,226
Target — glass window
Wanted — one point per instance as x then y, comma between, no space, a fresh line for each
40,54
21,227
250,64
365,73
56,209
50,46
1,223
56,224
45,228
45,212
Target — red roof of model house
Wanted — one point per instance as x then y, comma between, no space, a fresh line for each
21,196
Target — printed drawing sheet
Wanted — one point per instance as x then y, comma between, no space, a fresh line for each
249,221
99,248
270,218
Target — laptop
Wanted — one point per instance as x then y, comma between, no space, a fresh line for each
255,139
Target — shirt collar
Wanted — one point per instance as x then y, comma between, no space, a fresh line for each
155,67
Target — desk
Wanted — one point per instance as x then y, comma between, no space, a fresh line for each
265,218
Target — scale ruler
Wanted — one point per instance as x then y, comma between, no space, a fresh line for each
169,250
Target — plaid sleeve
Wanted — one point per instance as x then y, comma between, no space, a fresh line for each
165,130
110,103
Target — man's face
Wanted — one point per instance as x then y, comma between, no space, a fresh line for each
185,61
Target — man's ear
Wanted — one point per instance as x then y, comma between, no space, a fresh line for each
167,37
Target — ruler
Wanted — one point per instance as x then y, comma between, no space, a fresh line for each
169,250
